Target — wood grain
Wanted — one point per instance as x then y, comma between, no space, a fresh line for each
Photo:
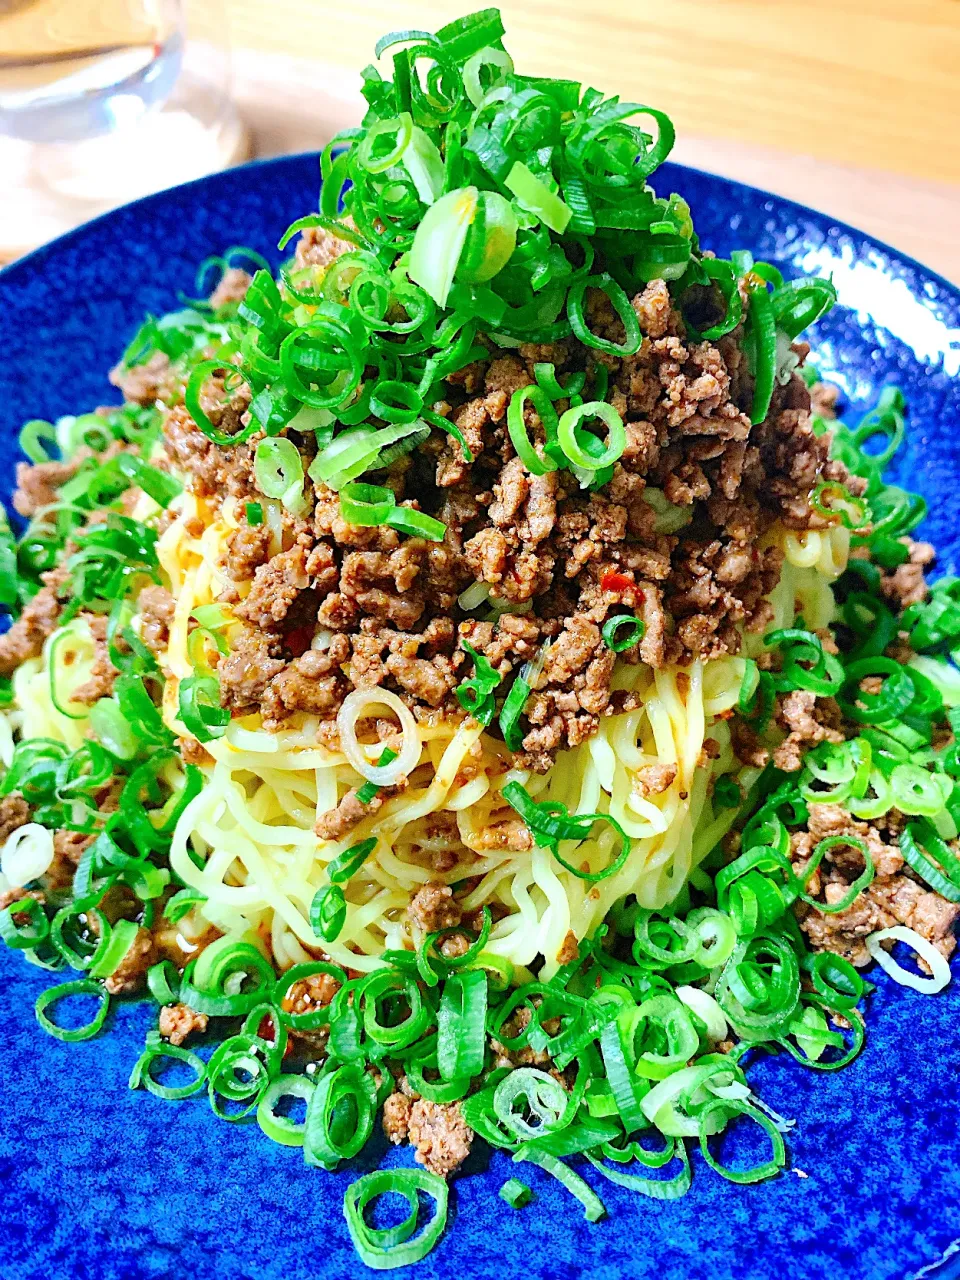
871,83
297,105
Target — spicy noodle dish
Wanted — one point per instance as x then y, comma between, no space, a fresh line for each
475,679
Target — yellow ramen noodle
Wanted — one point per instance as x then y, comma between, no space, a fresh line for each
247,841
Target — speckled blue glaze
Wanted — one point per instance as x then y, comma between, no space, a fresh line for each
100,1182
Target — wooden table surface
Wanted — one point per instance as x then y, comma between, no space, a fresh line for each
874,83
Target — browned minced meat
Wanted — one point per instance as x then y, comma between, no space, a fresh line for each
102,673
211,471
192,751
656,778
560,558
247,670
335,824
511,833
311,993
517,1023
808,720
396,1117
248,547
39,619
130,974
14,813
232,287
38,483
894,897
149,382
823,399
440,1135
68,847
907,584
177,1021
318,247
434,907
569,948
747,746
156,608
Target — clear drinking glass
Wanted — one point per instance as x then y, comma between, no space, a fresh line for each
102,101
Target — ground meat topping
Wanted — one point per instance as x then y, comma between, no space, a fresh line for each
338,822
177,1021
311,993
808,720
10,896
894,897
232,287
542,545
433,907
396,1117
39,619
907,584
156,608
440,1134
247,670
130,974
146,383
14,814
38,483
655,779
102,673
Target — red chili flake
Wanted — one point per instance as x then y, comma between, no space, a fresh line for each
299,640
612,581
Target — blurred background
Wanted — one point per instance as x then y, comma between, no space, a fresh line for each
849,105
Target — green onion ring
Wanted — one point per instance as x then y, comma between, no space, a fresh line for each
79,987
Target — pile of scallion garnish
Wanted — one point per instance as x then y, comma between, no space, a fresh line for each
478,201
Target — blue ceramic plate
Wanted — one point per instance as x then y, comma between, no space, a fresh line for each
99,1181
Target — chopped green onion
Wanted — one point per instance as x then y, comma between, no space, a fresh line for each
475,693
339,1116
634,635
763,336
279,471
621,304
932,859
582,448
549,823
156,1051
511,711
200,708
386,1249
163,982
366,504
593,1206
536,197
351,860
516,1193
79,987
254,512
417,523
517,427
766,1169
461,1025
281,1128
32,436
118,942
654,1188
